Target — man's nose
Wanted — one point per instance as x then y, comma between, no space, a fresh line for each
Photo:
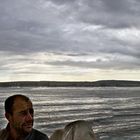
29,116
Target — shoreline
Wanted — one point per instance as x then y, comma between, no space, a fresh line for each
101,83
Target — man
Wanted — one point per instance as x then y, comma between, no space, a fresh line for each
20,115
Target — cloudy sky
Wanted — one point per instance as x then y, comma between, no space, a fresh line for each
81,40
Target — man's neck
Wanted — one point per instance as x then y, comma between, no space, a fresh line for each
14,135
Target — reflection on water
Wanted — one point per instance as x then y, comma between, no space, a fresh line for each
114,112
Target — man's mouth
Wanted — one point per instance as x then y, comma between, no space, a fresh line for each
28,125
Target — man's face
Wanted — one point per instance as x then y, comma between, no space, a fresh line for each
22,118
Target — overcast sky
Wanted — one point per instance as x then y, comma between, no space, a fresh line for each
82,40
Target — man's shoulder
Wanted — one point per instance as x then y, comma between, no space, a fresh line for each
39,135
3,134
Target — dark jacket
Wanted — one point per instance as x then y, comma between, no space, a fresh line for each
34,135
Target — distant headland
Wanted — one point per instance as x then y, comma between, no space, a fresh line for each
101,83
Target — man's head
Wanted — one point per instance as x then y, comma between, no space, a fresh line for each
19,112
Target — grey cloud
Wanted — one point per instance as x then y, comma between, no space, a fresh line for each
60,2
100,64
118,6
120,47
110,13
28,29
39,26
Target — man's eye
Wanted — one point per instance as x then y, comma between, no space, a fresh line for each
23,113
31,111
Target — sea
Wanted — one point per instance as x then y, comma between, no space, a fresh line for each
114,112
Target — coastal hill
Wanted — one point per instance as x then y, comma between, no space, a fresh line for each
102,83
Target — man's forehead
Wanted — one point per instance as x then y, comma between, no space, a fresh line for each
21,103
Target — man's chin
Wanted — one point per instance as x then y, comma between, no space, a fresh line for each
28,128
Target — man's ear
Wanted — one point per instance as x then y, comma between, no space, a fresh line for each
8,115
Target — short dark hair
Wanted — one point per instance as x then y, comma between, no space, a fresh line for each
10,101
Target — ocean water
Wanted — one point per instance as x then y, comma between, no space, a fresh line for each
113,111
